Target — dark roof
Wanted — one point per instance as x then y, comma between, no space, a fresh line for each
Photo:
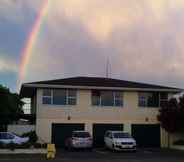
94,82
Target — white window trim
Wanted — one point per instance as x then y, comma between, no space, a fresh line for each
114,99
67,98
146,101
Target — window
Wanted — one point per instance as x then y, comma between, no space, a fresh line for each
95,97
47,96
152,99
71,97
163,98
118,99
59,97
107,98
9,136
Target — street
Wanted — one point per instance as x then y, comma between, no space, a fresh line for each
101,155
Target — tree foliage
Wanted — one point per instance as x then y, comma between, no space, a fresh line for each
171,115
10,106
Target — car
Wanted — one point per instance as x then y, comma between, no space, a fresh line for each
119,141
79,139
8,137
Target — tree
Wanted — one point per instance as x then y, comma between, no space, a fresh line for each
171,116
10,106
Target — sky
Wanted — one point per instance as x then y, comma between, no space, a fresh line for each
143,40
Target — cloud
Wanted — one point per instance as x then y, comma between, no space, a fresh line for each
142,39
17,11
7,64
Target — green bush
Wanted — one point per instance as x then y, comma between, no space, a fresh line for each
179,142
32,136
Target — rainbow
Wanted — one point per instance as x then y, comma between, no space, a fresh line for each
31,40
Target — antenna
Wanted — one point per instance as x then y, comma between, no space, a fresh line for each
107,68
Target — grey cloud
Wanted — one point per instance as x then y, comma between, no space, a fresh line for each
149,50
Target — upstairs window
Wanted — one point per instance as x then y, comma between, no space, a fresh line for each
107,98
72,97
152,99
47,96
59,97
163,98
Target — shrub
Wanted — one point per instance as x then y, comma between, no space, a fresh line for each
179,142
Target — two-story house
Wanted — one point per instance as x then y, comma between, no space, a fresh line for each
96,105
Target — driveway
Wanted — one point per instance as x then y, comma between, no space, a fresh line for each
102,155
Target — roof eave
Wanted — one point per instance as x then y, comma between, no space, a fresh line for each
172,90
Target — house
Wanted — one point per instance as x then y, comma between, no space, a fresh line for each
96,105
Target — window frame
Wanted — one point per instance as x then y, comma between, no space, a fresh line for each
114,98
67,97
50,97
71,97
146,100
161,99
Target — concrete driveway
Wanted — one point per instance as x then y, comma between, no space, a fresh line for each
102,155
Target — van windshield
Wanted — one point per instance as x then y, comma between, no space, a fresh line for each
81,134
121,135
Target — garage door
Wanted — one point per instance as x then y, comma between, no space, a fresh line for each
61,131
99,131
146,135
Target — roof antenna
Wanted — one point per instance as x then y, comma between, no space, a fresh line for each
107,68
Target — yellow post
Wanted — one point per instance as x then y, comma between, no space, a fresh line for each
51,151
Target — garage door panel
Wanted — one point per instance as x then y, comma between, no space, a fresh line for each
146,135
99,131
62,131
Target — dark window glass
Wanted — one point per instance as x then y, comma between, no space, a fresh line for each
81,134
163,98
9,136
59,97
3,135
107,98
118,98
121,135
72,93
46,92
96,97
142,100
153,99
118,103
72,97
71,101
149,99
46,100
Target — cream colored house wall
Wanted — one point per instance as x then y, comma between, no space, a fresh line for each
84,112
